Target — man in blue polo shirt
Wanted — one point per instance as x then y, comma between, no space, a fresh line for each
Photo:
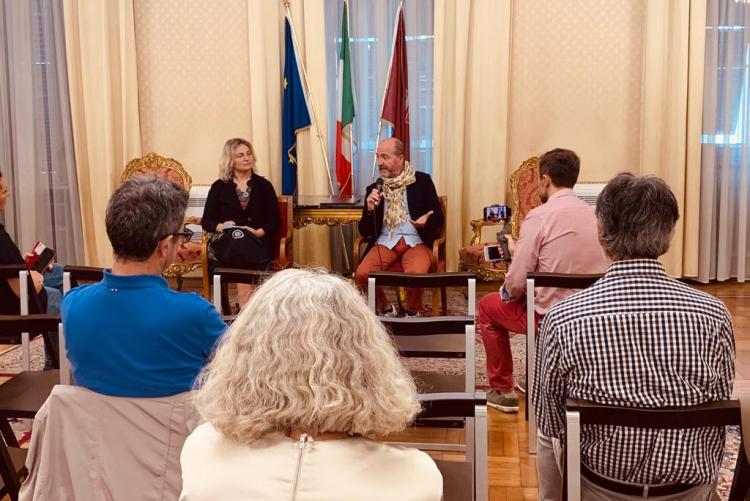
130,335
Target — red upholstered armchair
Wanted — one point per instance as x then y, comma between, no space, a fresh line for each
523,195
188,253
283,253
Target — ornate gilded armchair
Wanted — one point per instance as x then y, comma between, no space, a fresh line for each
189,253
523,196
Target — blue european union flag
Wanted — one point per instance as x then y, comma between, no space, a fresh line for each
294,116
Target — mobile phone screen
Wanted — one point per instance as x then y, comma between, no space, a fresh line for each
492,253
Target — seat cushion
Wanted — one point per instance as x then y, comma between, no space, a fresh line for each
189,253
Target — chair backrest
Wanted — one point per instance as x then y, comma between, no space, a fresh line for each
29,300
425,280
472,407
437,337
225,276
152,163
74,275
582,412
523,192
534,280
130,445
18,329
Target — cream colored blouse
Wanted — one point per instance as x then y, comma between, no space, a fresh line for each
214,467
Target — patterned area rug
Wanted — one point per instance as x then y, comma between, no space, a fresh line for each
10,361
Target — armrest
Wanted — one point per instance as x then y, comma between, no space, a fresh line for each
438,248
285,251
477,225
204,264
357,256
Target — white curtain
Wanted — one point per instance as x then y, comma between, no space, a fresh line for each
725,184
36,140
371,38
371,35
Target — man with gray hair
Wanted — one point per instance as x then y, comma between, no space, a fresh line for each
130,335
636,338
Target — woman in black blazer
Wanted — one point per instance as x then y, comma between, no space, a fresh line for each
241,198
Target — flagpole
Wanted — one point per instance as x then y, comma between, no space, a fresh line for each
306,86
385,89
351,77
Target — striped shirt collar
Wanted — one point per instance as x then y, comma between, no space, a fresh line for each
635,267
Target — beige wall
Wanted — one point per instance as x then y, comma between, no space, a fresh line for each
193,80
575,82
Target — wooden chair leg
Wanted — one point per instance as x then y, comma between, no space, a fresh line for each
179,282
7,432
435,304
7,469
400,292
226,306
444,300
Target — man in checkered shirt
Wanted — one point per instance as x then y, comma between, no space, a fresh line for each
636,338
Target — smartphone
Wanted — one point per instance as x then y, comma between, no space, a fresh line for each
492,253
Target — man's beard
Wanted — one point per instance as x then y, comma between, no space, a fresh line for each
543,196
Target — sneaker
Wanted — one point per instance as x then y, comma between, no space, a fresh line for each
391,312
521,384
505,402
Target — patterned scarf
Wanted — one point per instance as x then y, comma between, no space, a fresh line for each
393,191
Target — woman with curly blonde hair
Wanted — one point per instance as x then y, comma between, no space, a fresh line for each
300,382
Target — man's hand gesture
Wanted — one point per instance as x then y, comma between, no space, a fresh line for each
421,220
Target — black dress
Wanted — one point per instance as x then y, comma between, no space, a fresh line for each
223,204
9,302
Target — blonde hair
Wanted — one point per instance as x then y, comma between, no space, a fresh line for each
226,164
306,352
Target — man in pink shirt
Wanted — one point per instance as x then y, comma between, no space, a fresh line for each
559,236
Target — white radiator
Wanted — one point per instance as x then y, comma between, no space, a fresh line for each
588,192
196,202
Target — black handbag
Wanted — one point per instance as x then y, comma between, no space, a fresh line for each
238,248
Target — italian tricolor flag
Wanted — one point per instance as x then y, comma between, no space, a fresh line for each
344,110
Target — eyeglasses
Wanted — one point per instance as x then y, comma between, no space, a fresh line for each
183,236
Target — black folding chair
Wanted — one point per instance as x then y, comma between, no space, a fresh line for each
29,303
432,281
462,480
437,337
534,280
74,275
22,395
582,412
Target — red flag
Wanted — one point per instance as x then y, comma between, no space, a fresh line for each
396,103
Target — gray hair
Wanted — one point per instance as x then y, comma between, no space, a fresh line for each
226,164
637,215
142,211
306,352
